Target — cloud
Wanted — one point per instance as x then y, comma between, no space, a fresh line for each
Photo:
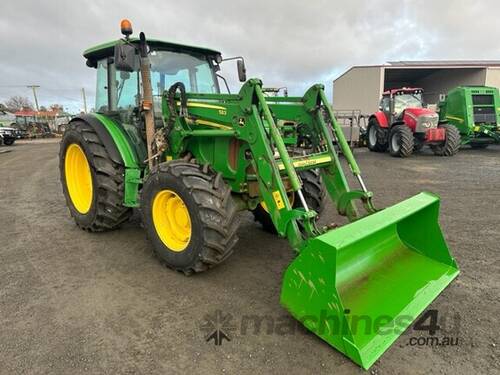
286,43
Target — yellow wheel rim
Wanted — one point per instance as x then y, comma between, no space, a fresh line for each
291,199
171,220
78,178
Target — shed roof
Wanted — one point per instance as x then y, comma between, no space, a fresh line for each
429,64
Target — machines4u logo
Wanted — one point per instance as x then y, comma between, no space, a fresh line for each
218,327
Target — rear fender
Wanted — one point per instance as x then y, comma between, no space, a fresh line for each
381,119
120,150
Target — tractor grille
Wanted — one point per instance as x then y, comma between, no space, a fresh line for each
485,115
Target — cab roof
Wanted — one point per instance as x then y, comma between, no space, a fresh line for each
412,90
107,49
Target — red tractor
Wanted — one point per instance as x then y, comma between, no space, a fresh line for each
404,125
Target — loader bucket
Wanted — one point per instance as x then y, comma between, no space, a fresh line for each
360,286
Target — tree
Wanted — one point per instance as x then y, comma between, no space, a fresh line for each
18,103
56,108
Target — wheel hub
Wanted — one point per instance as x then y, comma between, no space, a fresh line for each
395,142
78,178
171,220
372,135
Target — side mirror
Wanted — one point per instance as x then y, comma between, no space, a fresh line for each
126,58
242,70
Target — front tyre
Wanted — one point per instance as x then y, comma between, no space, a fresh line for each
451,144
314,195
189,215
401,142
93,185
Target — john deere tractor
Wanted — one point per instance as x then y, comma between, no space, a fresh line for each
403,125
165,141
475,112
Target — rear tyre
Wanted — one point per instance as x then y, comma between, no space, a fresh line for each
189,215
9,141
314,194
376,137
451,144
401,141
479,146
93,184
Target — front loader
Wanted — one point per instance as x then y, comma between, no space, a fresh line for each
190,158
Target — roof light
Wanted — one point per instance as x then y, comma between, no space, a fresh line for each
126,27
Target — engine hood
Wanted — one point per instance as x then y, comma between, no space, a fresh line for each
417,112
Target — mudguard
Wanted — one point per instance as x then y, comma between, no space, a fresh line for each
120,150
381,119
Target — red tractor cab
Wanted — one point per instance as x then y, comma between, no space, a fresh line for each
403,124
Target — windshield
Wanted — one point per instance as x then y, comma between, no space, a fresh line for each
194,70
403,101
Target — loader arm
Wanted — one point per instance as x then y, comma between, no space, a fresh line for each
251,118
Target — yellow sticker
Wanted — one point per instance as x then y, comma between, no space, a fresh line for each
477,128
307,162
278,200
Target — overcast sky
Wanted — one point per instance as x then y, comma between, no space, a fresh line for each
285,43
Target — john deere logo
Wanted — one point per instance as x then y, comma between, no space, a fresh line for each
217,327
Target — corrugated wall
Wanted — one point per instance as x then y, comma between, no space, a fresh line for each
359,88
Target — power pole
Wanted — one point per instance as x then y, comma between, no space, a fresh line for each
84,100
34,87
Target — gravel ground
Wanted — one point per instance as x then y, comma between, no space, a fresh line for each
74,302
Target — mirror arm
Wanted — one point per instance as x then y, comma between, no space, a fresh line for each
234,58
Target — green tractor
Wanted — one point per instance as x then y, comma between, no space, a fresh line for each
475,112
164,140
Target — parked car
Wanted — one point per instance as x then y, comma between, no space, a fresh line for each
9,135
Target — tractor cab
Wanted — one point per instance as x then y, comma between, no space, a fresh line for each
119,89
395,101
119,82
120,86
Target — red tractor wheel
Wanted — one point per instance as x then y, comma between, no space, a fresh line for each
401,141
376,136
451,143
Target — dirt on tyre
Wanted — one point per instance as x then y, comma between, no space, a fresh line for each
451,144
376,137
314,194
189,215
401,142
93,184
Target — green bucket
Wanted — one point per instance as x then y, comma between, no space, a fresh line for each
360,286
